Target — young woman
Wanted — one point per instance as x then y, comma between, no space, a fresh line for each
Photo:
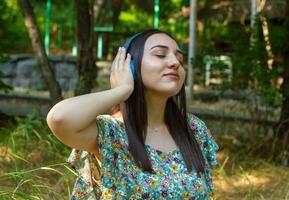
158,150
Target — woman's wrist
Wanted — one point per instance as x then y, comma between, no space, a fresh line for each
126,91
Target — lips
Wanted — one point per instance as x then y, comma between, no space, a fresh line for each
172,74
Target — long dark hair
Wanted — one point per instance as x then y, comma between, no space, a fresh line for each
134,113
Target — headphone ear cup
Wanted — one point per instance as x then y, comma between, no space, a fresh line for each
132,68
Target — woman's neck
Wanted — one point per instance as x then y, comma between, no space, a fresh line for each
156,106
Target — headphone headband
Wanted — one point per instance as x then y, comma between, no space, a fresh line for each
127,46
129,41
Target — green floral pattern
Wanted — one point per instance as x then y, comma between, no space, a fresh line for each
120,178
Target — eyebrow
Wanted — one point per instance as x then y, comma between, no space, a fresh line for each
166,47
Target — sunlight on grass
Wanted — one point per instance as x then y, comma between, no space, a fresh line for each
265,182
242,173
5,153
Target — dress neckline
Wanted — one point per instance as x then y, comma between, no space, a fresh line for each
173,151
159,152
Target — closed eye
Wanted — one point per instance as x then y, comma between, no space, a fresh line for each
160,56
163,56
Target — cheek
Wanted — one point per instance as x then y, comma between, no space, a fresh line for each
182,74
149,71
149,78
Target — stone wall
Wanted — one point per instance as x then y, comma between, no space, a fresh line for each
24,71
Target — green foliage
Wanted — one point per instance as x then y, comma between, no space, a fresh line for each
277,37
134,19
135,16
4,58
62,22
12,33
250,68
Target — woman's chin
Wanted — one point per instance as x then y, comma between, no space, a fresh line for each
165,91
170,92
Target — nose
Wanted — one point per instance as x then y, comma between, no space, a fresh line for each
174,62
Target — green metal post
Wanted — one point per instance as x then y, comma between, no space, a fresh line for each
156,13
99,45
74,49
47,26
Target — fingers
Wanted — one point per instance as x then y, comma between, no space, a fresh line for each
127,61
120,62
115,61
121,58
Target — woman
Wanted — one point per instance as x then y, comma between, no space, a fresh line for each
159,151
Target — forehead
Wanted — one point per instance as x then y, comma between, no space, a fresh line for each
160,39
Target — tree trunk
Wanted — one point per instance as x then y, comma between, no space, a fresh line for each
192,48
37,44
96,8
117,10
282,130
85,45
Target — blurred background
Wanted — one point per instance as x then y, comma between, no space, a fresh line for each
237,63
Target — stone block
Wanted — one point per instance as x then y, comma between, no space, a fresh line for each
8,69
72,83
64,84
38,83
65,70
22,82
25,68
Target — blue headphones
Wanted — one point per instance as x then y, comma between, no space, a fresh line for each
127,46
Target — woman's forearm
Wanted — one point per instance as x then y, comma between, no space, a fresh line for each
77,113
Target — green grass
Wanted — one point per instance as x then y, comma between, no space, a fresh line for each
32,162
245,169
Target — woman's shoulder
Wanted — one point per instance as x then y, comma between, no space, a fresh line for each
203,134
106,119
195,122
110,130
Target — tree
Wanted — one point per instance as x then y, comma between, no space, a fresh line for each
38,47
86,12
282,129
117,7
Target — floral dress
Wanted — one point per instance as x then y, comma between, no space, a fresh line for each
121,178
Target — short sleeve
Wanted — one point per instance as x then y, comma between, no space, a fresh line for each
86,168
109,139
204,136
85,165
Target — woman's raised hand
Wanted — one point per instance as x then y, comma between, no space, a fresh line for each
121,74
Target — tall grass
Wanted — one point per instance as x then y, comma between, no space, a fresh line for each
32,161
